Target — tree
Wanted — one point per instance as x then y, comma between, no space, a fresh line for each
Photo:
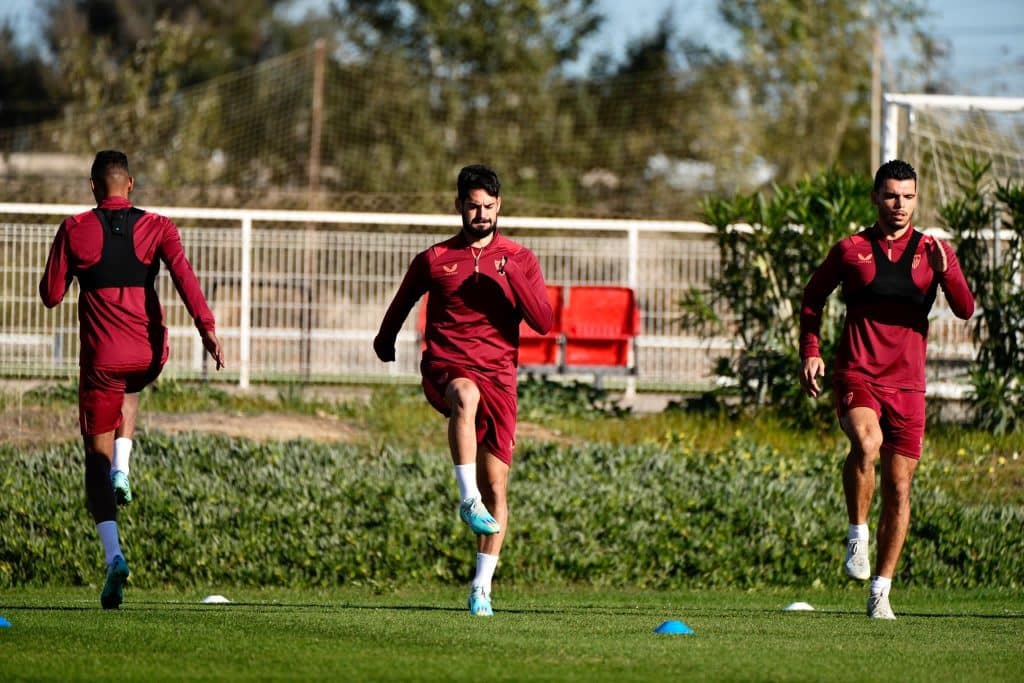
459,38
806,76
236,33
25,82
476,78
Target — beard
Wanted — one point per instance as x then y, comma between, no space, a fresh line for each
479,233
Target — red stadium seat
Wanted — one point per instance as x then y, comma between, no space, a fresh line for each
536,349
599,324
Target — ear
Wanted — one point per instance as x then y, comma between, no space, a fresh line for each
131,184
497,205
458,205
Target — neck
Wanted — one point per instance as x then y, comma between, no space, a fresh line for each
478,243
891,232
112,195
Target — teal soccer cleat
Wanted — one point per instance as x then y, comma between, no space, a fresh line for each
473,513
113,588
122,489
480,603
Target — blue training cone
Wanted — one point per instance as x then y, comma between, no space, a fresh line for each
4,623
675,628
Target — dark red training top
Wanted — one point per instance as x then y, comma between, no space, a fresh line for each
473,311
888,287
121,327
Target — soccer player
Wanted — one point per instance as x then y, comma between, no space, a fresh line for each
889,275
481,285
115,251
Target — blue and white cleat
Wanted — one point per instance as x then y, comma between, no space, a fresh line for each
113,588
122,489
473,513
480,603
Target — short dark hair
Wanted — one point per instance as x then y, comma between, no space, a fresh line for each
478,177
107,161
896,169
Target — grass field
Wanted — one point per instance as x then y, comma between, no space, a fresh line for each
554,634
420,630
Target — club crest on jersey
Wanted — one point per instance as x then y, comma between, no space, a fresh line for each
916,262
499,263
864,258
450,270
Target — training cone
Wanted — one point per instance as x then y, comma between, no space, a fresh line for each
674,627
798,607
4,623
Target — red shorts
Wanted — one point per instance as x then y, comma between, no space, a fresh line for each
901,413
101,393
495,416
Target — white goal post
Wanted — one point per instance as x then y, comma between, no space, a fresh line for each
937,133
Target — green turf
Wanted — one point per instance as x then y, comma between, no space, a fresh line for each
555,634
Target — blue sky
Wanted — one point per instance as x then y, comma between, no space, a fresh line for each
986,37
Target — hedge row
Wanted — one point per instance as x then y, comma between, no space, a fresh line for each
214,511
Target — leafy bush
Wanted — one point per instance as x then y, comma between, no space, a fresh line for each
756,296
213,511
998,374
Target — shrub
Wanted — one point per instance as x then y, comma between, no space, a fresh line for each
214,511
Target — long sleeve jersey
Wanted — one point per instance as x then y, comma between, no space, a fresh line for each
477,299
121,327
885,333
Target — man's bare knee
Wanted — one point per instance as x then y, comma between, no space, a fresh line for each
463,396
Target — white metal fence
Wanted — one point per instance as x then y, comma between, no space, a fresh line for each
298,296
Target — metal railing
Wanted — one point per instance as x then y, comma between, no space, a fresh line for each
298,295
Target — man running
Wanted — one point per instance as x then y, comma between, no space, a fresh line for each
481,285
889,274
115,251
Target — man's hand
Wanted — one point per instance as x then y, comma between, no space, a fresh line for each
384,349
936,253
812,369
212,346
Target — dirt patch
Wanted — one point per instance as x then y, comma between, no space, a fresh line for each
258,427
35,425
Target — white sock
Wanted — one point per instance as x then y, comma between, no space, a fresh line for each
485,566
108,536
880,585
122,453
466,476
857,532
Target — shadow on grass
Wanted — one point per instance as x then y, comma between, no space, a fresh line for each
654,611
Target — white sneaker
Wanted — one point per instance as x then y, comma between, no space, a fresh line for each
857,564
878,607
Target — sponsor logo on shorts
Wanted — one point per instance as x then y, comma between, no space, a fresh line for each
848,399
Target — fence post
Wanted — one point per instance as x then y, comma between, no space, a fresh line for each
633,280
244,331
